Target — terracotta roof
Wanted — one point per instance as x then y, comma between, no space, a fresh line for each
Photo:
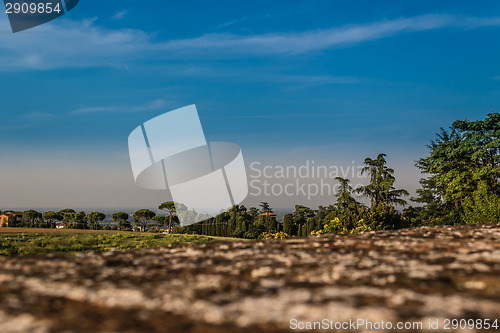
268,214
12,214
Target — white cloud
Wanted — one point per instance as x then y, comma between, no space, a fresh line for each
232,22
119,15
151,106
310,41
38,116
263,75
26,120
95,109
311,79
72,44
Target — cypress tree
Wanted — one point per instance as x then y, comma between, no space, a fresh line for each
218,225
319,224
304,231
311,224
287,224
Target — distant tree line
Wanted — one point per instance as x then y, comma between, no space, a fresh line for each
344,216
144,219
462,186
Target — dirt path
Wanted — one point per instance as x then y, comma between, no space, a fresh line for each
408,276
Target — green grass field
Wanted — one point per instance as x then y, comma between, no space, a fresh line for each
30,243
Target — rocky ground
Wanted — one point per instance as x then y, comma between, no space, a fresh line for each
406,276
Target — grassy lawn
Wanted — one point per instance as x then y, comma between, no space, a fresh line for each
55,231
27,243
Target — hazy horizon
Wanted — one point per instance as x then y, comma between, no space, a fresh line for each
314,80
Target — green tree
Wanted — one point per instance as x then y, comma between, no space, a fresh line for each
301,214
310,225
433,206
81,220
242,223
95,218
265,208
463,171
52,217
381,189
66,211
161,220
233,214
288,224
304,232
121,218
142,217
169,207
32,217
70,218
270,223
219,223
345,200
254,213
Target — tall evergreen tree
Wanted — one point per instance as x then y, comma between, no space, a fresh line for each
345,200
464,172
265,208
311,225
381,189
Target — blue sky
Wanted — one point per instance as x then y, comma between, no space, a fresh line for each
289,81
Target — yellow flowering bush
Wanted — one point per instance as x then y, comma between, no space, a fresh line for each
336,226
277,235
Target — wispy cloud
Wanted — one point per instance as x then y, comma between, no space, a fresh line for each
26,120
232,22
119,15
95,109
310,79
73,44
151,106
70,44
310,41
36,116
271,75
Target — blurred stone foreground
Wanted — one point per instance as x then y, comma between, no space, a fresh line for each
407,275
